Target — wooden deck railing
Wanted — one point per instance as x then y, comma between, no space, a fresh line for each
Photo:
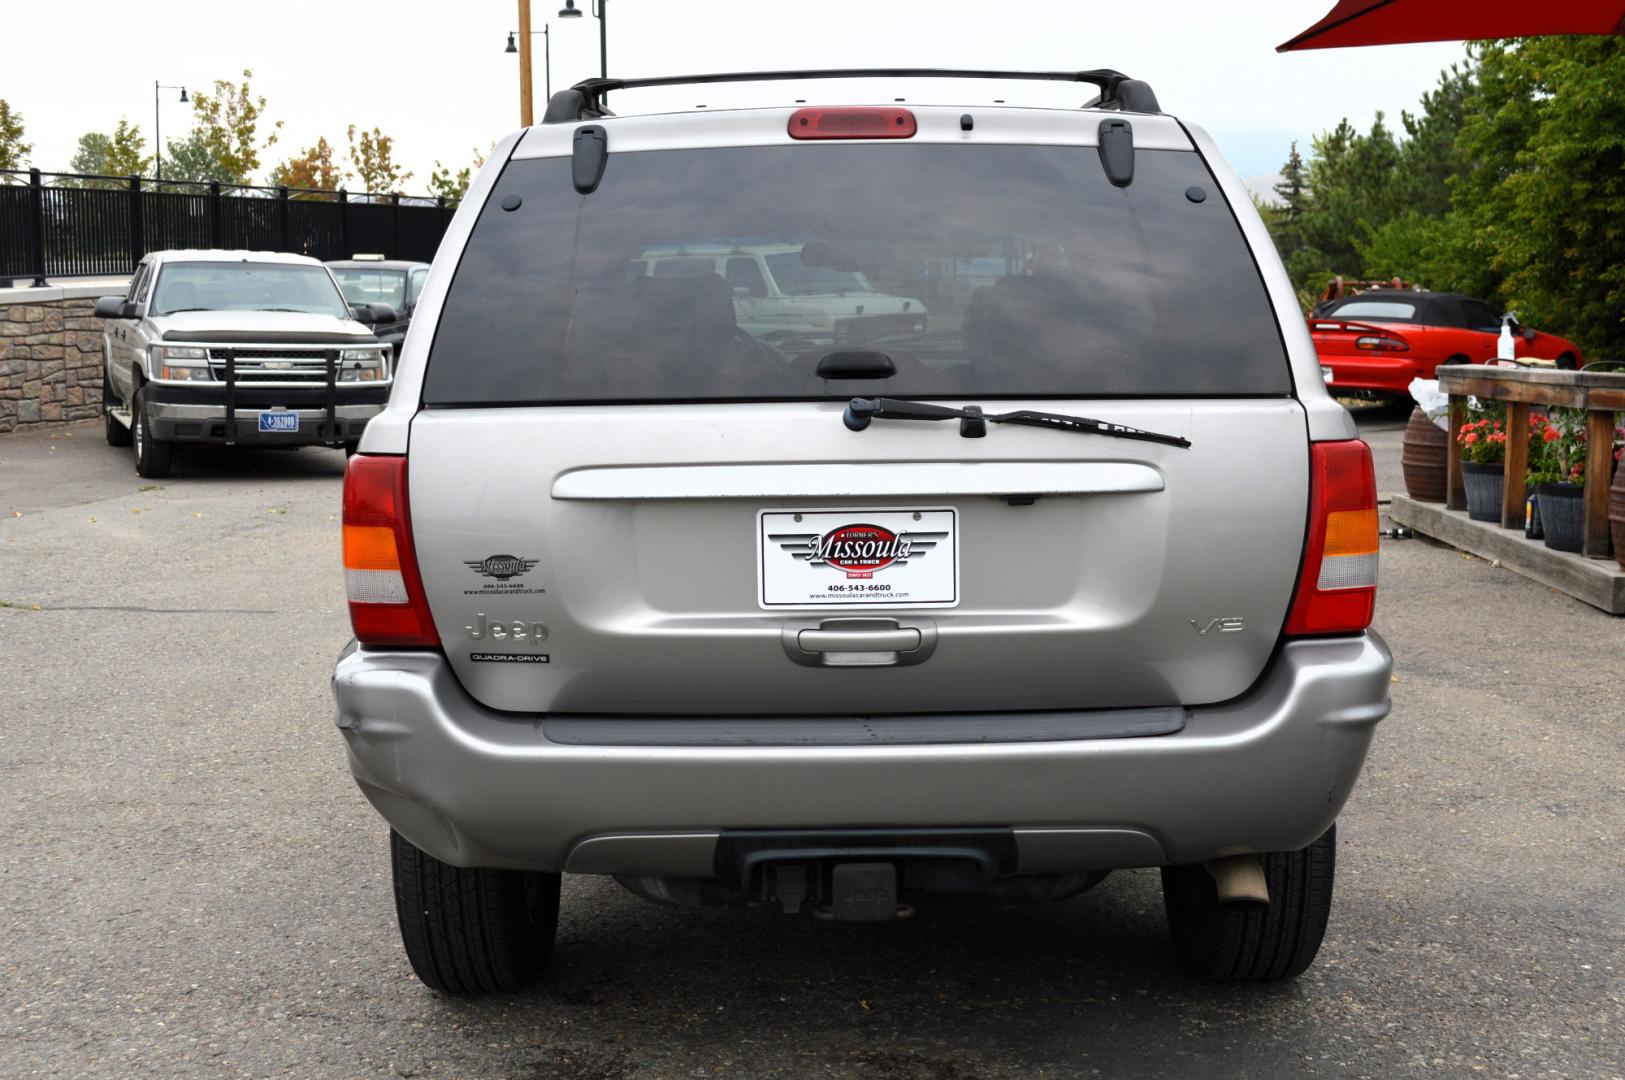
1600,394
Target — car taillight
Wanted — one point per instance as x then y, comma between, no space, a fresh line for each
1337,588
387,603
866,122
1380,343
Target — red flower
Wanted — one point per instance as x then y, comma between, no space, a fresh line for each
1552,434
1470,438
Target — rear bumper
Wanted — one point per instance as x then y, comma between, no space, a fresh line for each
1266,772
1384,374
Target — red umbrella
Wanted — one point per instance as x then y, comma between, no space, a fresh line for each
1392,22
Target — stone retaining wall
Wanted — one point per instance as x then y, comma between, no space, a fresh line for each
50,355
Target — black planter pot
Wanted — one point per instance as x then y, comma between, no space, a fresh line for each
1485,485
1562,515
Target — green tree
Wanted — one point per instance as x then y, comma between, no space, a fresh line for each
445,184
1292,197
1543,188
13,151
1428,158
453,186
124,151
191,159
372,153
91,156
227,122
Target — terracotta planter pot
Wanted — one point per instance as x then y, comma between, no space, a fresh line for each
1562,515
1484,489
1422,457
1616,515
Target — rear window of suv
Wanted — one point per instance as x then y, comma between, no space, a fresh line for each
988,271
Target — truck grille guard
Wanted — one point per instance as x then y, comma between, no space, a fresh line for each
250,365
330,365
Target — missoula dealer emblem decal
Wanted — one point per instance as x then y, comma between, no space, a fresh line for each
502,570
501,567
859,550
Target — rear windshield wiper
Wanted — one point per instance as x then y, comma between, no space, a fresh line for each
973,421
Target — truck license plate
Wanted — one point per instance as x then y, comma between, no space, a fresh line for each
279,421
857,558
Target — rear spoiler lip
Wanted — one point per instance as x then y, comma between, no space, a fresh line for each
1339,326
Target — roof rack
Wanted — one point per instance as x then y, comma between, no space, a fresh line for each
585,100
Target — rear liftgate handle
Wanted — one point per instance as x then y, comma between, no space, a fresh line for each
859,642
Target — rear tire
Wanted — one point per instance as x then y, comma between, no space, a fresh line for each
470,931
153,457
117,433
1250,943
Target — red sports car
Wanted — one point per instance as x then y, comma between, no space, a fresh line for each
1377,342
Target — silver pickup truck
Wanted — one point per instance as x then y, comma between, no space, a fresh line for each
238,347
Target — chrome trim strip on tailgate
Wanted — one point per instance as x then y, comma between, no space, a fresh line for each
872,479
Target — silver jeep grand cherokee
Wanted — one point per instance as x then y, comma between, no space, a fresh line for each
1076,578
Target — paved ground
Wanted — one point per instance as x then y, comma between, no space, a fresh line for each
193,887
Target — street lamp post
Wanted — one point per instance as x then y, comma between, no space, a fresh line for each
157,134
569,11
525,107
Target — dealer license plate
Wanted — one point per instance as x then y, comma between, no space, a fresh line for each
279,421
857,558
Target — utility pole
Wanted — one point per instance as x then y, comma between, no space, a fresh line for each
526,111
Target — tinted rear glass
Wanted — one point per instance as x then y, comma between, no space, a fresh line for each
991,271
1386,310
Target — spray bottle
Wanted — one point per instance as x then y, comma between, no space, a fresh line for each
1505,349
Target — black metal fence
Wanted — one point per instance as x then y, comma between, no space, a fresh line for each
72,225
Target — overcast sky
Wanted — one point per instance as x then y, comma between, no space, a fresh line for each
435,77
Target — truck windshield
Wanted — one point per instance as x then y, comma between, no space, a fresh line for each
981,271
373,286
246,286
796,278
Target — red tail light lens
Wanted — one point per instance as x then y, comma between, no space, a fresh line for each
1380,343
867,122
387,603
1337,588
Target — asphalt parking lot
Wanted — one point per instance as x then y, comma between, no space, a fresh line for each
192,885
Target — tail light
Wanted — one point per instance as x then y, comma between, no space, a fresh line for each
1337,588
866,122
1381,343
387,603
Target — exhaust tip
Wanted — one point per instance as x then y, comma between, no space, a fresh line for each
1239,880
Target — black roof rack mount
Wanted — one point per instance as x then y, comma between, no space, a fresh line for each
585,100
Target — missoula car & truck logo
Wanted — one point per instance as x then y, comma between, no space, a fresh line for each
501,567
858,550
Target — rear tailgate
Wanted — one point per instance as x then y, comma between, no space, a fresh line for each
609,465
1160,576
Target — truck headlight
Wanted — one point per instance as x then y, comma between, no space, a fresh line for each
361,365
182,363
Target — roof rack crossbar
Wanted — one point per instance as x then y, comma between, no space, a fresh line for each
585,100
